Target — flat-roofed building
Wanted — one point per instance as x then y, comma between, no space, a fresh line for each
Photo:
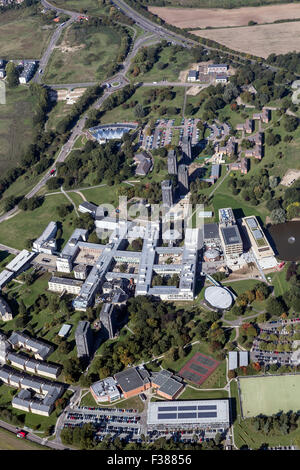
80,271
259,243
183,179
217,68
192,76
232,360
192,414
132,381
186,147
231,240
166,385
64,331
211,234
5,277
88,208
20,262
167,193
105,390
84,339
46,243
172,162
243,358
61,284
5,311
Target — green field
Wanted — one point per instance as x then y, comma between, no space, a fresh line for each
15,133
269,395
83,55
29,225
92,7
9,441
23,35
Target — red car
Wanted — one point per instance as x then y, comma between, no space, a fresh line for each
21,434
52,172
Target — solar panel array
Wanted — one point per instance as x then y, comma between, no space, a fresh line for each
252,223
187,412
257,234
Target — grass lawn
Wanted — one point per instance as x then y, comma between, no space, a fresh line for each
102,195
191,394
83,55
269,395
245,434
9,441
23,35
134,402
92,7
279,282
174,62
30,224
15,133
59,110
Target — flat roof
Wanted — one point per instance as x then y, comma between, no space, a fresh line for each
211,231
129,379
231,235
190,412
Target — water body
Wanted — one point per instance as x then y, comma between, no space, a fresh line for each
287,240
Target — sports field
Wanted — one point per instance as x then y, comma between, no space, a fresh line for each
269,395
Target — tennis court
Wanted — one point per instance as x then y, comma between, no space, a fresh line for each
269,395
198,368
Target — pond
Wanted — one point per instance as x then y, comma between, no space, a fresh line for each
286,237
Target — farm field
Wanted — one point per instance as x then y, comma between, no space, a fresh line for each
15,133
226,4
220,17
269,395
260,40
83,55
23,35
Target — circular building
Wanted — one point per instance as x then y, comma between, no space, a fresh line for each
211,255
218,297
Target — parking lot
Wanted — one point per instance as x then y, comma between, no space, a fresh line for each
124,423
167,133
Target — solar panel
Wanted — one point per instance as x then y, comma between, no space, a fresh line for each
207,407
252,223
167,416
257,234
187,415
182,408
208,414
169,408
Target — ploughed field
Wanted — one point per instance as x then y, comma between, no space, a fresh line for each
220,17
261,40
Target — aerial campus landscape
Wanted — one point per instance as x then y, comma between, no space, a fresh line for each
149,225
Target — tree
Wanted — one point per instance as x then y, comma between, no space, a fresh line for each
278,216
12,76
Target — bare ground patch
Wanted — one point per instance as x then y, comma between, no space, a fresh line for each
258,40
219,17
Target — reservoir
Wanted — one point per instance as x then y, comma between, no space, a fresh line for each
286,238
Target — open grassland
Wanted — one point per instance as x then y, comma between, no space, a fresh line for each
257,40
221,18
29,225
269,395
9,441
92,7
23,35
83,55
15,133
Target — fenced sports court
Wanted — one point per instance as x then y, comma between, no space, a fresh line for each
198,368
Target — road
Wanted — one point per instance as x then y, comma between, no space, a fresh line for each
33,438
